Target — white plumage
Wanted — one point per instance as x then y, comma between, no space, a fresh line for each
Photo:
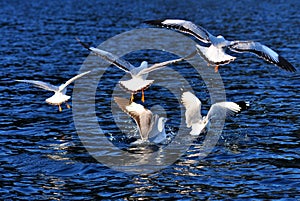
215,53
193,115
59,96
138,81
151,127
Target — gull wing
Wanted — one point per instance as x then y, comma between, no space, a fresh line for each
222,109
158,133
72,80
263,52
109,57
141,115
164,64
122,103
40,84
183,26
193,106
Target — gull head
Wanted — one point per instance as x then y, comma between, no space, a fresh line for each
221,41
137,70
62,89
144,64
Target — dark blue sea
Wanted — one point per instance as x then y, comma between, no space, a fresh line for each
50,155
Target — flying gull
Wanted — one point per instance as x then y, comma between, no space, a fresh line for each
193,115
215,54
151,127
59,96
138,81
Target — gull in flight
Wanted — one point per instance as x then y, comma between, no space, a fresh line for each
151,127
138,81
193,117
59,96
215,54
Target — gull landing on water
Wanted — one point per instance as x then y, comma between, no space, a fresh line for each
59,96
215,53
138,81
193,115
151,127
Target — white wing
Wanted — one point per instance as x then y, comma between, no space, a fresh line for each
109,57
40,84
222,109
263,52
183,26
193,106
62,87
164,64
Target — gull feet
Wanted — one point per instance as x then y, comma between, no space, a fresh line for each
143,96
59,108
131,98
216,68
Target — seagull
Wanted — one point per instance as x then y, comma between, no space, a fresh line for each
138,81
151,127
59,96
193,115
215,54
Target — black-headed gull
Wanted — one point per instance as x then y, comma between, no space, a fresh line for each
215,54
138,81
59,96
151,127
193,117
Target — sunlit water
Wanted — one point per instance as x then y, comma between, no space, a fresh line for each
42,157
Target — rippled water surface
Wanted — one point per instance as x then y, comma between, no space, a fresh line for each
43,156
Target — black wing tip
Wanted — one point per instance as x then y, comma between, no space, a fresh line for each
284,64
155,22
85,45
244,105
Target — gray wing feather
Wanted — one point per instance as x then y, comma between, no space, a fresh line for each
40,84
141,116
109,57
183,26
113,59
158,66
263,52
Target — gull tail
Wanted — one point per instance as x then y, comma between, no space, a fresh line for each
135,85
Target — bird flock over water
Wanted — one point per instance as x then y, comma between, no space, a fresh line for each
211,48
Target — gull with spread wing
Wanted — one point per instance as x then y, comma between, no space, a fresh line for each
193,117
59,96
138,81
215,54
151,127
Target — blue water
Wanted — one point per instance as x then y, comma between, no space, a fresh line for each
42,156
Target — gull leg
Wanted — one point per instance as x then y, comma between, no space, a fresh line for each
217,68
143,96
131,98
68,106
59,108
